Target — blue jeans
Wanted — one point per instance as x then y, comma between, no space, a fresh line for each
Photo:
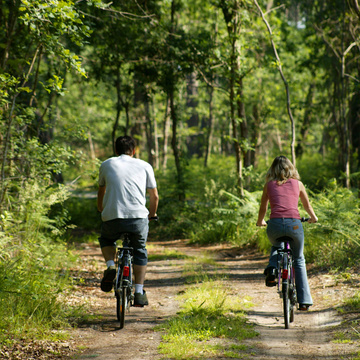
138,228
293,228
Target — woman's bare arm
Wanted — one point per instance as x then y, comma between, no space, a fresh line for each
306,203
263,208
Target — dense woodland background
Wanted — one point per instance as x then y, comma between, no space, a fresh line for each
211,90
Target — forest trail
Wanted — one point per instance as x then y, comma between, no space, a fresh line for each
308,339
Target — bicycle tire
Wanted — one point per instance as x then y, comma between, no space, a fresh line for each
292,307
292,294
286,302
121,305
286,290
292,314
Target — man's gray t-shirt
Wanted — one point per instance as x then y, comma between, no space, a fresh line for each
126,180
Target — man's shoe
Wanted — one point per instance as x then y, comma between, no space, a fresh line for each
304,307
140,300
270,279
107,281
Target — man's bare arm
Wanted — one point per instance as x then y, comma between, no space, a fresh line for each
100,197
154,201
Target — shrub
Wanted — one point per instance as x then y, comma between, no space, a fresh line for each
335,239
33,264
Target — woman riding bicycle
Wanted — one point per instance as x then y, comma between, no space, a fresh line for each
283,189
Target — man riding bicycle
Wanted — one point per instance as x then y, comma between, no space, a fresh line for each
123,182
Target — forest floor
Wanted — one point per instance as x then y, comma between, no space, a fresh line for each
310,337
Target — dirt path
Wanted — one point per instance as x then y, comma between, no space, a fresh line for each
308,338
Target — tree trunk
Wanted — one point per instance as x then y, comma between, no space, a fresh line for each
237,148
118,107
232,20
171,96
166,133
193,143
175,147
307,119
127,125
256,136
288,105
244,135
11,23
210,128
149,129
156,141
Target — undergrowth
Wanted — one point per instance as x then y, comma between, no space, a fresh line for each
34,260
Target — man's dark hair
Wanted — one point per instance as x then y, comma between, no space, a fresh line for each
125,145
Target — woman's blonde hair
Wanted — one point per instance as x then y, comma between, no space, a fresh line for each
282,170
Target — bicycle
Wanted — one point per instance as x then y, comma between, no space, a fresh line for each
123,282
123,286
286,276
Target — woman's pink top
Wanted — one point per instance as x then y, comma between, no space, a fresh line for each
284,199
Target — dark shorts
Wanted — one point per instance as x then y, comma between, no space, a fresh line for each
138,228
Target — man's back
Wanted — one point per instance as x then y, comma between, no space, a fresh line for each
126,180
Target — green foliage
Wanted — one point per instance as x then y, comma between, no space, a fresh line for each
215,214
49,21
83,212
33,267
335,240
315,170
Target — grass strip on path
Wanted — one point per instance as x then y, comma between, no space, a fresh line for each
211,323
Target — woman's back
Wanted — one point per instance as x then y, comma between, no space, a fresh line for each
284,199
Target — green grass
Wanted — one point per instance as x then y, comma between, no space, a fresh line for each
348,332
201,268
353,303
212,323
156,254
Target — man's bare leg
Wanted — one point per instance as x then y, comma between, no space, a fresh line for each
139,272
109,252
140,295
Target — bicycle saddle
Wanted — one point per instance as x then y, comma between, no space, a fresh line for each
284,239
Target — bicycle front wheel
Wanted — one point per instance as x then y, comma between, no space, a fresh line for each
286,301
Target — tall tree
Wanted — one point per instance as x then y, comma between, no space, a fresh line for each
33,33
232,17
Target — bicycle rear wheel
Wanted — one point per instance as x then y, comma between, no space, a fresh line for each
121,305
292,294
292,304
286,302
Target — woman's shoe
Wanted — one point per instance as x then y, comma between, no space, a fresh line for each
304,307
